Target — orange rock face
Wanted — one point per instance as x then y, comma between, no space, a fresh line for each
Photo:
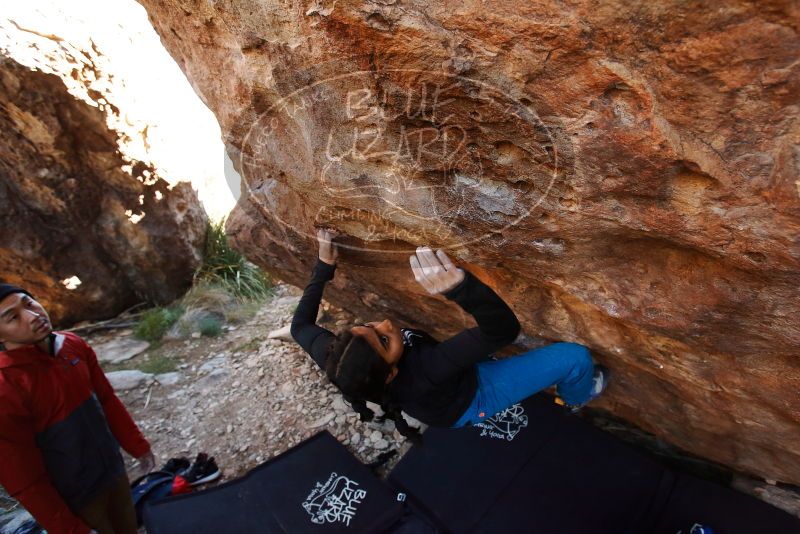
626,177
85,236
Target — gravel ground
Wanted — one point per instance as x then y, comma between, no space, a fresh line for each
244,398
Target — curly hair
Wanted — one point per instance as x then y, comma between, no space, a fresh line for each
360,373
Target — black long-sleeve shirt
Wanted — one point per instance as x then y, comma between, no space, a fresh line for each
436,381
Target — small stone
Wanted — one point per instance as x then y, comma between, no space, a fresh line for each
339,405
355,438
120,349
168,379
322,421
212,379
381,444
129,379
375,435
229,429
212,364
196,335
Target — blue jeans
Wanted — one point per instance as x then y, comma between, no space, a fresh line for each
503,383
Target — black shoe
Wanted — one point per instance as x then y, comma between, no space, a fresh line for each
176,465
204,469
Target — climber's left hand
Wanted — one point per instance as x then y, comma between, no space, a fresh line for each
328,250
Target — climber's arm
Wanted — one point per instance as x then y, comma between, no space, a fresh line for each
313,338
497,324
497,327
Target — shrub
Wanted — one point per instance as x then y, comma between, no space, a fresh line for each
210,326
224,266
154,323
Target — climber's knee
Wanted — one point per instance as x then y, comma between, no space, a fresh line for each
579,354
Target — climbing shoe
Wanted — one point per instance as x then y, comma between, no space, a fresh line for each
599,384
204,469
176,465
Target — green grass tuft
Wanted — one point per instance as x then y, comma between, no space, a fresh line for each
222,265
210,326
158,363
154,323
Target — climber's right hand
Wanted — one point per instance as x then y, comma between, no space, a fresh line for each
435,272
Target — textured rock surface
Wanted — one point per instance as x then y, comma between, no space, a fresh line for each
127,379
626,178
71,206
120,349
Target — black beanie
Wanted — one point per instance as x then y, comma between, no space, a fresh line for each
8,289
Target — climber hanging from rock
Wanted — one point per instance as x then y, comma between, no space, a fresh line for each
452,383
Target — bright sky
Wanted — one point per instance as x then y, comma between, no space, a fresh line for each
182,136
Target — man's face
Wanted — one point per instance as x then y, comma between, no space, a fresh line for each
23,321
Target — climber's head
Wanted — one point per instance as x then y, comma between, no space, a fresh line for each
363,359
383,337
23,321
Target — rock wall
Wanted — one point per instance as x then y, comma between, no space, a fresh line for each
72,206
626,176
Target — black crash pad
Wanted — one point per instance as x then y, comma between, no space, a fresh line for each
316,486
536,468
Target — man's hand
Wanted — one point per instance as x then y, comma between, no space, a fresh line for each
146,463
328,251
435,272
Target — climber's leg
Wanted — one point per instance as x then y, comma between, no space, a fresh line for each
503,383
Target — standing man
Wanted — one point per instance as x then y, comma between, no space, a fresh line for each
61,426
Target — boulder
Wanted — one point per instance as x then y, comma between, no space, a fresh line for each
624,178
87,232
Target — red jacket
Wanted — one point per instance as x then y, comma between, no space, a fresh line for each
61,426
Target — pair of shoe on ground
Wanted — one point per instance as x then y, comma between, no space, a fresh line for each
202,470
600,380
